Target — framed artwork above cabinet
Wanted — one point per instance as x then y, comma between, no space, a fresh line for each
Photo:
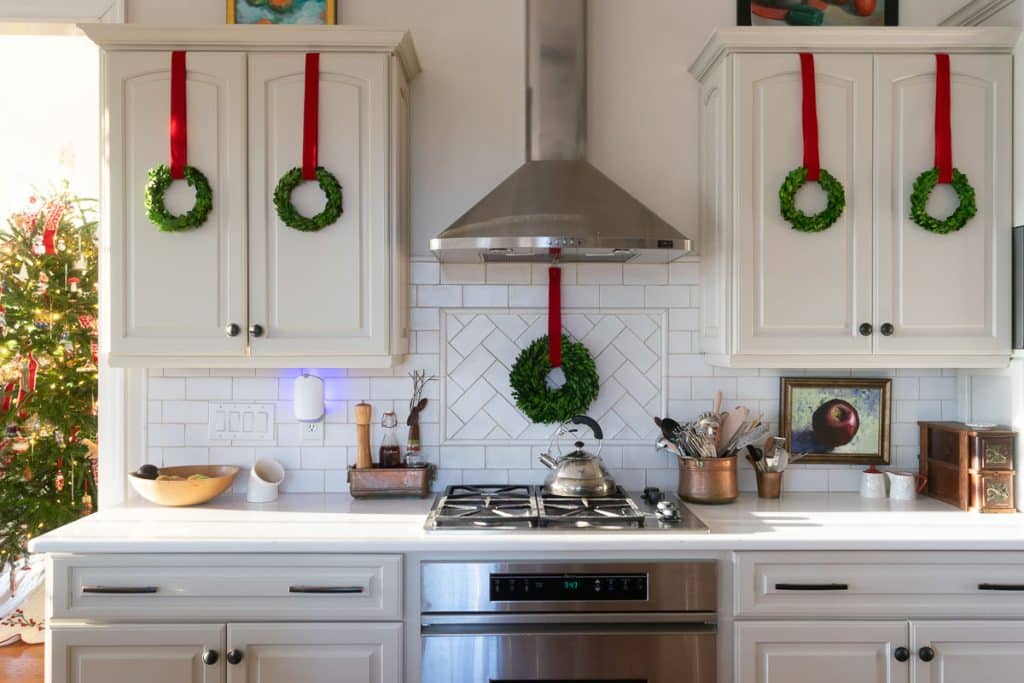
874,289
244,289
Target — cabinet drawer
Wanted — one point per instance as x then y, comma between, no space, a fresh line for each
225,587
870,584
991,452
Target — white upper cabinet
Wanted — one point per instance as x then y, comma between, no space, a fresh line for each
244,289
174,292
316,292
944,293
874,289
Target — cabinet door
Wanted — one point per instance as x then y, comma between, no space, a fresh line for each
175,293
324,292
813,651
968,651
136,653
944,293
801,293
316,653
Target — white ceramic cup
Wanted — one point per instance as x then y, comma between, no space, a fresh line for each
872,485
905,485
264,478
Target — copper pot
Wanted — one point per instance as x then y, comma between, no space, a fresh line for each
711,481
769,484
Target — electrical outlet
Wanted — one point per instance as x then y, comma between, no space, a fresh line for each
311,433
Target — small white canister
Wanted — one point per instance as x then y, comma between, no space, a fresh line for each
264,478
872,483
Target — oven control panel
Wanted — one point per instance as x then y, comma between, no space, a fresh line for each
567,587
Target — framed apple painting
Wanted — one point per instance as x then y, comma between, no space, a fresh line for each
836,420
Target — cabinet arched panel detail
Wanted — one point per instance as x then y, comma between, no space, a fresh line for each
175,292
944,293
714,264
318,292
774,262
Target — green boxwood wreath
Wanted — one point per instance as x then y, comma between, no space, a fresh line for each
158,179
796,179
287,212
923,187
529,382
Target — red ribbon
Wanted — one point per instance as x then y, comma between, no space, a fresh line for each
810,115
311,116
50,228
179,116
555,316
943,120
8,395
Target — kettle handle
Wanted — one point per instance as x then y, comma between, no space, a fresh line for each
590,422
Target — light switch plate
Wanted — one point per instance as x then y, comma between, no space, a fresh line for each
241,421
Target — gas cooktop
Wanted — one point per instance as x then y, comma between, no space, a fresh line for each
529,508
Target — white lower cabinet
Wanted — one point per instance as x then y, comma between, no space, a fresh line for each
967,651
235,653
879,651
314,653
815,651
130,653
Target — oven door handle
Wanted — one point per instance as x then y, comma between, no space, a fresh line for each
494,623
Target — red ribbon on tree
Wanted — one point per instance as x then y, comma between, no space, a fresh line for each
179,116
555,316
8,395
311,116
810,117
943,120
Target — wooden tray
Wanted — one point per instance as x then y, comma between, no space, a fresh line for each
390,482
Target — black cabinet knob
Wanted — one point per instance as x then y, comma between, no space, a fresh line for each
926,654
256,330
234,656
866,329
887,329
232,329
901,654
210,657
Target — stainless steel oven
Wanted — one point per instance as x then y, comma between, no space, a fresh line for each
646,622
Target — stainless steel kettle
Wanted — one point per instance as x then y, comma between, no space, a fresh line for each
578,473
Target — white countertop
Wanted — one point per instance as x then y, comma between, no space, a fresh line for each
314,523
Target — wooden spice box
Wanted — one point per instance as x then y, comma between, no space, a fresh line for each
390,482
970,468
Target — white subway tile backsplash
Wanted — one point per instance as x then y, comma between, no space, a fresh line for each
651,333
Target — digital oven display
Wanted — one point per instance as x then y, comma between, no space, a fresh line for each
567,587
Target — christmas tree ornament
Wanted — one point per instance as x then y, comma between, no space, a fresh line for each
43,285
37,245
811,170
944,172
81,264
73,283
58,481
309,170
62,244
27,474
22,274
159,178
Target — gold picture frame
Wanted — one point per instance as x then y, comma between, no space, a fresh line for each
817,417
296,13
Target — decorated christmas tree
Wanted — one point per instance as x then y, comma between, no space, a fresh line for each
48,372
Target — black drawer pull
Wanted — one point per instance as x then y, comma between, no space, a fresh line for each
120,590
329,590
1001,586
812,587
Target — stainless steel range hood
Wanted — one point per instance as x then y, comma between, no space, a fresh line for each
557,203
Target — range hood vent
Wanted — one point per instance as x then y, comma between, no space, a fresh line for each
557,204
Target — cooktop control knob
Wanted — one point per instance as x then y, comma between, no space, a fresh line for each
667,510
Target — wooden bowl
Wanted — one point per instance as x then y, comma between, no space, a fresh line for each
178,493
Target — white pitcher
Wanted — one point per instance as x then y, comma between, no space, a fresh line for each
872,483
906,485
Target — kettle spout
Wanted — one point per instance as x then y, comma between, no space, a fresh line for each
547,461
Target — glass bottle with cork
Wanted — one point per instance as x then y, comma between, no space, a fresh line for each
390,450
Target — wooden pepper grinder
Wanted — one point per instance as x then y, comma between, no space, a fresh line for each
363,458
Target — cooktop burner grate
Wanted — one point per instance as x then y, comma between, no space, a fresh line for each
485,507
617,511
